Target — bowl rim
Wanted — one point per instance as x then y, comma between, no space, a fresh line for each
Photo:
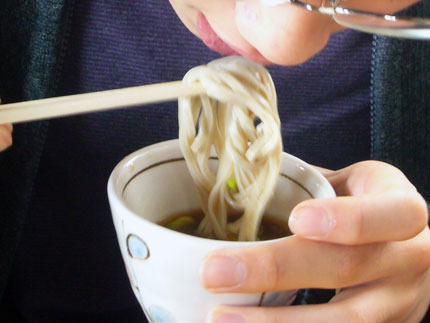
115,193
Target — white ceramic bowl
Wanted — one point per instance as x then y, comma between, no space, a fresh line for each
153,183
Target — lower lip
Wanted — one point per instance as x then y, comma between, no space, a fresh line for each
210,38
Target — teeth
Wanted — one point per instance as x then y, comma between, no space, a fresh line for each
272,3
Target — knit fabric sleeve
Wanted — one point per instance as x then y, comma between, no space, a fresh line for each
31,42
400,104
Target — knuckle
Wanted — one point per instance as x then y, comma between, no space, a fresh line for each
265,316
273,275
354,231
357,223
274,319
347,268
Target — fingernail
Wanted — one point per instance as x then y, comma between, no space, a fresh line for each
311,222
228,318
222,272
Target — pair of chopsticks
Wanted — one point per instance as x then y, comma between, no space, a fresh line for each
96,101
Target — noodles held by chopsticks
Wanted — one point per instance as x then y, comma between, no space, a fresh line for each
238,118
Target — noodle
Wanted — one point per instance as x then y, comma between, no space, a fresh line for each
238,118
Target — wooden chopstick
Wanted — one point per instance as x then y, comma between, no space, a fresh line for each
96,101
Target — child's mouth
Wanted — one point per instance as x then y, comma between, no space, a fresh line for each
211,39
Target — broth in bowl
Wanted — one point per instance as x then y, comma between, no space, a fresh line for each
188,222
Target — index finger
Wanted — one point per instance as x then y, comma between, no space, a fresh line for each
291,263
378,204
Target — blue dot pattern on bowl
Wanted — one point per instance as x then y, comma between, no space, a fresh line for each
137,249
160,315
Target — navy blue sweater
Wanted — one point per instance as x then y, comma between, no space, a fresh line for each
68,263
58,170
